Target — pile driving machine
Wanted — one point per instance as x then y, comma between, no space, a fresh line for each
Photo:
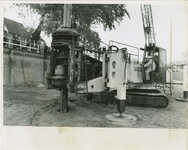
122,78
68,63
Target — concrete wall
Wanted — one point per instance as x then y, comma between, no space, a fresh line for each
24,67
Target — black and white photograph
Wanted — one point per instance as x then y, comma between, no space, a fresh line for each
105,66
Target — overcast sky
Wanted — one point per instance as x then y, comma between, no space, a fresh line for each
131,32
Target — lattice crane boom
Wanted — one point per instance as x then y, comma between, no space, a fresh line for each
148,26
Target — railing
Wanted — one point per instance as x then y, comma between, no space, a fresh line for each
97,54
33,47
94,54
21,45
111,43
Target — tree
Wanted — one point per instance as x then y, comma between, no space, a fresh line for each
86,15
36,33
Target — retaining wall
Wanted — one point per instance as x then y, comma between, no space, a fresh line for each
24,67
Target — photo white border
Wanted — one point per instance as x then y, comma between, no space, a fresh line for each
58,138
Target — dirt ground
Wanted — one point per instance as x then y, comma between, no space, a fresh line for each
34,106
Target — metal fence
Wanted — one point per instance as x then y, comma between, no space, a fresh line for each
21,45
33,47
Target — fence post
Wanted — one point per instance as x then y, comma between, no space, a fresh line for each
20,44
185,84
8,42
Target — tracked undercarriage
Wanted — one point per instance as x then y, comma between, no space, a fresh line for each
134,97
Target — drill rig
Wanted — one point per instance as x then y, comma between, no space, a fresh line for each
122,78
68,61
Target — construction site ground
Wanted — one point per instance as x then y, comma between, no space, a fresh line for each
38,106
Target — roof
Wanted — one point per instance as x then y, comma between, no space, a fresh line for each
15,28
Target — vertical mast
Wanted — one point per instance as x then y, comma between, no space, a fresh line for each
148,26
67,15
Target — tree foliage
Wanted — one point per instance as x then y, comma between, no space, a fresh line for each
86,15
106,14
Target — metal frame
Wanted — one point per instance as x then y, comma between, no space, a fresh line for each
128,46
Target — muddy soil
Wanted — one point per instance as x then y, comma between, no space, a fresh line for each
34,106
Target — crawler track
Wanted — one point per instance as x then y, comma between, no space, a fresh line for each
136,97
146,98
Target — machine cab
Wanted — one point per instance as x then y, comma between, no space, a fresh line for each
159,58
